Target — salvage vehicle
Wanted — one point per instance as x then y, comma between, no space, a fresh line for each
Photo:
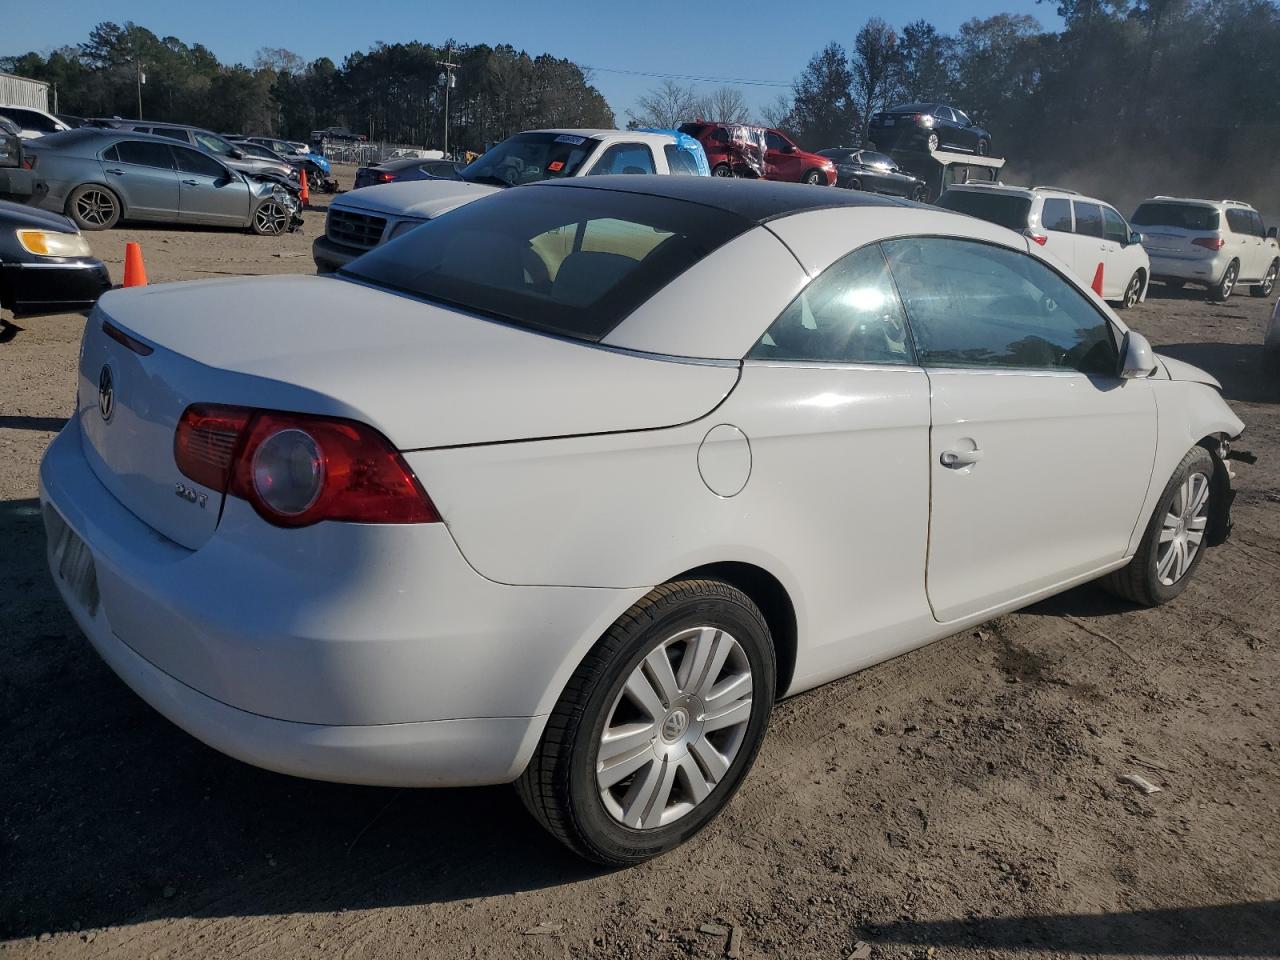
32,123
319,170
928,127
208,141
1216,244
46,265
1086,234
942,169
874,172
363,219
405,168
99,177
742,150
525,522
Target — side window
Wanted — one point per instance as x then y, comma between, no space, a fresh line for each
1238,222
719,135
625,158
145,154
193,161
1259,228
679,161
962,118
976,305
1088,218
173,133
774,141
1113,227
1056,215
110,155
850,314
30,120
214,144
944,113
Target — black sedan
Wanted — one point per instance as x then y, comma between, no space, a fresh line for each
406,168
873,172
45,264
927,126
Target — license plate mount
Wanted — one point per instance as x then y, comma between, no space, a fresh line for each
72,561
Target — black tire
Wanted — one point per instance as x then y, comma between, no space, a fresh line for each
982,148
722,170
813,178
1140,581
559,786
1132,291
1268,283
1226,286
920,194
855,184
931,142
94,207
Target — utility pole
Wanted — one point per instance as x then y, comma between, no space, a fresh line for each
447,81
142,78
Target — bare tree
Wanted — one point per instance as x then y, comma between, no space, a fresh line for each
875,68
779,113
665,107
723,105
278,60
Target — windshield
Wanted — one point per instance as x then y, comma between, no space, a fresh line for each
1186,216
530,157
565,260
1006,209
214,143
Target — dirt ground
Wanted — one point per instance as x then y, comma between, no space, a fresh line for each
962,800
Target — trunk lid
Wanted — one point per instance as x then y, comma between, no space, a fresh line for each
423,375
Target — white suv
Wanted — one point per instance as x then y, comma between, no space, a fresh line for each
1086,234
1217,244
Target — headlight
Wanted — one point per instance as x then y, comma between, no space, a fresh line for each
400,229
50,243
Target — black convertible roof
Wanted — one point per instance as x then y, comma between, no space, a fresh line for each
757,200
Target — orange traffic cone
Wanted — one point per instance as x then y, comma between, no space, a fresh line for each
135,274
1097,280
305,193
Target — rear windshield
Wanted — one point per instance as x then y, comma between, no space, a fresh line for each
530,157
1185,216
1007,209
564,260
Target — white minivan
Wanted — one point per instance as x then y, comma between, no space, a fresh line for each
1086,234
1217,244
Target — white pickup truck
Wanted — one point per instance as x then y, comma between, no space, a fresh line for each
362,219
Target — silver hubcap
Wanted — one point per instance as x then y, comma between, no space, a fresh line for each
1270,280
1131,295
675,728
1183,529
96,207
1228,282
271,217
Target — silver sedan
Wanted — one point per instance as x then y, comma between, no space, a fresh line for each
100,177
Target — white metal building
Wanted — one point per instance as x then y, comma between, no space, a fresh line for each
18,91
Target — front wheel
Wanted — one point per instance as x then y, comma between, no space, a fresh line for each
1227,284
1132,292
270,219
1174,542
813,178
658,726
1268,283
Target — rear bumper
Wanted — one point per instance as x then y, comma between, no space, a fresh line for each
1207,271
53,286
359,653
330,256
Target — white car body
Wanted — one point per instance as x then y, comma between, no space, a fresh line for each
1086,234
1187,252
572,477
32,123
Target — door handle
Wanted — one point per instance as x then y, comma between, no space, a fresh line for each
956,459
191,183
118,173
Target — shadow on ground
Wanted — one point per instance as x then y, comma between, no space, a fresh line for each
48,424
1238,366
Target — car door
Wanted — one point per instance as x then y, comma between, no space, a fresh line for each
875,176
1089,246
1241,243
1040,454
966,133
944,125
209,192
1117,255
142,172
780,158
1267,244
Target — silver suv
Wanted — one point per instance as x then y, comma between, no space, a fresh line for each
202,139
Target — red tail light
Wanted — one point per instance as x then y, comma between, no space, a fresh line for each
1209,243
29,161
385,176
298,469
1040,238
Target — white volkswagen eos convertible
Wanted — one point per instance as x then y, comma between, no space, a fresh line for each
565,488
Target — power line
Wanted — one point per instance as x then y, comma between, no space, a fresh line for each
688,77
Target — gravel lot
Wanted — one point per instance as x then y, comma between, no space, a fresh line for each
961,800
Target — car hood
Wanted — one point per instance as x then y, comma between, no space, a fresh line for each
23,217
1180,370
424,375
415,198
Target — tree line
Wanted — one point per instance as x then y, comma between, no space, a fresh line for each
391,93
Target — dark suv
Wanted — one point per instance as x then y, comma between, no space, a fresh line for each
741,150
927,126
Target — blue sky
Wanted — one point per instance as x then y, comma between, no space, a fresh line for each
747,39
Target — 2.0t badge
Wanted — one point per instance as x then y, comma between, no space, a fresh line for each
106,393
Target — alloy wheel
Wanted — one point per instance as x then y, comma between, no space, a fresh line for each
96,207
1269,281
271,218
1133,291
1229,281
674,728
933,141
1183,529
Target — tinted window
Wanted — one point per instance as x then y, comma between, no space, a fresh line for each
945,113
1056,214
1113,226
193,161
680,162
840,156
565,260
625,158
1088,218
850,314
976,305
145,154
1185,216
962,117
1259,228
30,120
1238,221
775,141
173,133
1007,209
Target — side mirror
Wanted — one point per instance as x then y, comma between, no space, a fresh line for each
788,148
237,154
1134,237
1137,359
1271,233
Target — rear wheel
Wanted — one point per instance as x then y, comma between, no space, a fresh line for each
721,170
1268,283
983,148
1174,542
658,726
932,142
1132,292
94,207
1222,290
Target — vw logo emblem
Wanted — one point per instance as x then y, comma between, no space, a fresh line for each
106,393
